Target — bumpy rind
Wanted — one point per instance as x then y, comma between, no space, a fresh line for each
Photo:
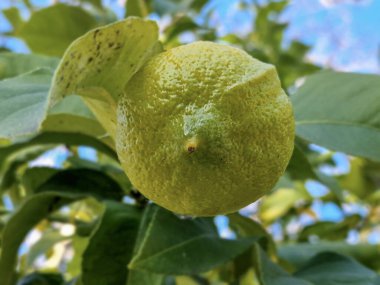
204,129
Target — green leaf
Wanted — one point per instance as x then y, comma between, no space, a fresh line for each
52,29
198,4
72,124
284,182
72,105
42,279
71,139
72,115
377,280
137,8
330,268
95,182
329,230
13,64
280,202
75,281
172,245
246,227
182,24
137,277
9,173
98,65
299,166
291,67
186,280
62,188
118,224
268,32
298,254
23,103
13,16
340,111
79,245
270,273
361,180
242,269
114,170
298,49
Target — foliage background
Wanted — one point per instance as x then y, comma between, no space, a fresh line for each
326,201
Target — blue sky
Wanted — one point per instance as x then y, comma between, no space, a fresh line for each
344,36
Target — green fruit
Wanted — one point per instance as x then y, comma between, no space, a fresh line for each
204,129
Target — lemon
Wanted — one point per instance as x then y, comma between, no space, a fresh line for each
204,129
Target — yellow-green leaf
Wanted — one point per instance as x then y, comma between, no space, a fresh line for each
98,65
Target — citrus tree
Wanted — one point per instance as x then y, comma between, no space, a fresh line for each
100,91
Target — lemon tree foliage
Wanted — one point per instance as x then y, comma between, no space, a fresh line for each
90,74
167,252
28,99
99,64
119,223
66,23
60,189
12,64
354,129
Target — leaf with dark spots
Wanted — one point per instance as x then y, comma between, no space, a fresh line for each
96,77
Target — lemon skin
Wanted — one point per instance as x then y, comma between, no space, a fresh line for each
204,129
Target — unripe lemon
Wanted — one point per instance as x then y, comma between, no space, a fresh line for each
204,129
